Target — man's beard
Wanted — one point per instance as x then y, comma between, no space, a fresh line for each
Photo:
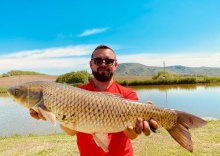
103,77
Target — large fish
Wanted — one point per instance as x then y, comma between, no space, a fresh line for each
100,113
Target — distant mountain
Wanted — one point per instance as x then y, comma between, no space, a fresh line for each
136,69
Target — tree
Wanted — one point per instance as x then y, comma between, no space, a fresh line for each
75,77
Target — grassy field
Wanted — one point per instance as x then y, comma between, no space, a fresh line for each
206,143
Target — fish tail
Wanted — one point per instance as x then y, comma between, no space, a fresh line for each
180,131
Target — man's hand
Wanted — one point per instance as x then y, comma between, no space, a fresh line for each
142,126
39,116
36,115
145,126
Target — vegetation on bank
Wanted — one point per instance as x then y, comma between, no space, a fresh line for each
205,140
20,72
75,78
163,79
82,77
3,90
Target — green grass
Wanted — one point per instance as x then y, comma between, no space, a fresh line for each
38,145
3,89
206,143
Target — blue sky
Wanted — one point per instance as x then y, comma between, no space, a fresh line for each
55,37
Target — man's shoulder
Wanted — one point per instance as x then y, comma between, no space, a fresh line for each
126,92
86,86
123,87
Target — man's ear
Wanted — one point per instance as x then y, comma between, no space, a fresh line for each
116,64
90,64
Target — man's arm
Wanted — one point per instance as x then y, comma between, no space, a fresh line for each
68,131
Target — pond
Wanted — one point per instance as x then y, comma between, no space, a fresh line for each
202,101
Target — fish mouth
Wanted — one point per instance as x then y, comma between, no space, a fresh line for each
9,91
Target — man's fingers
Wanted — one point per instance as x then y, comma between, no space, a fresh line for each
36,115
153,126
130,128
41,116
153,123
139,126
146,129
144,126
150,102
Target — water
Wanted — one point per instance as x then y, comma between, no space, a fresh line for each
15,119
202,101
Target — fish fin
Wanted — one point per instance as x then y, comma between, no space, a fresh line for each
40,107
101,140
189,120
48,115
180,131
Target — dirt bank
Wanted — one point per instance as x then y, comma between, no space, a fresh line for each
13,80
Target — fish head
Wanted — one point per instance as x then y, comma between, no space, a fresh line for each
25,94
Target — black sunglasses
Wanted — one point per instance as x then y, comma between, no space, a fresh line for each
99,61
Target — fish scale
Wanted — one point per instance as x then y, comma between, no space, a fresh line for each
88,108
99,113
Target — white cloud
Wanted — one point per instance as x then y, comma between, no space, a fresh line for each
68,51
93,31
48,60
61,60
190,59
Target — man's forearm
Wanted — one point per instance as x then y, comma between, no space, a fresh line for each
68,131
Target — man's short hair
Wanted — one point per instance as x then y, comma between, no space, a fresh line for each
102,46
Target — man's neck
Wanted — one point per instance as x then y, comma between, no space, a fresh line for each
102,86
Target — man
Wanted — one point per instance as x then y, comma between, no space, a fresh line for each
103,64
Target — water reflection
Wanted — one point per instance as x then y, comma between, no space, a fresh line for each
181,86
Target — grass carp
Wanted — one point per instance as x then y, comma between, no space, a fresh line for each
99,113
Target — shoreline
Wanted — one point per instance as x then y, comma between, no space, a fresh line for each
210,119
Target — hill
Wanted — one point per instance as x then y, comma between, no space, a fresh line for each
136,69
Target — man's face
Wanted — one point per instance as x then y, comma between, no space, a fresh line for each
103,64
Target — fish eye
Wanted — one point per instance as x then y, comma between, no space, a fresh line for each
16,91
